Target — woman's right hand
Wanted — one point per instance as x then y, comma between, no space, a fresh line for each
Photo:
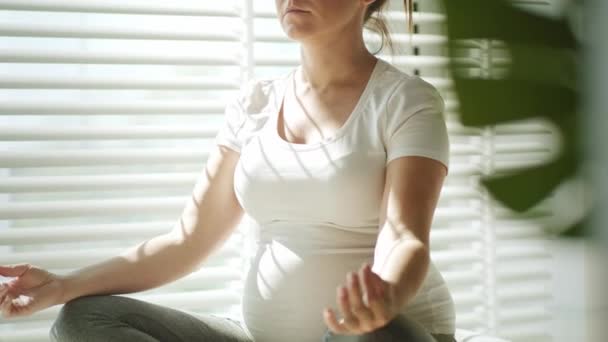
31,289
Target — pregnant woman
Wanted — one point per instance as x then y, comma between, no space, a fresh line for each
339,163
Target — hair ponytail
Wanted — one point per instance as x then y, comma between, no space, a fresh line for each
375,21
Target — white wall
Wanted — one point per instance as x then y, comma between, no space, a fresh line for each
569,290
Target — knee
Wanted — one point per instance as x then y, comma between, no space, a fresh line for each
401,328
73,317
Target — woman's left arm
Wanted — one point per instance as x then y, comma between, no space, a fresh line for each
372,297
411,192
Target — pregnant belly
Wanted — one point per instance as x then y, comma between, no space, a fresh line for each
285,292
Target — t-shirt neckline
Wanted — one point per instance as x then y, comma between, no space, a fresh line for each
359,106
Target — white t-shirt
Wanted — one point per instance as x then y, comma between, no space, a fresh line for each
314,208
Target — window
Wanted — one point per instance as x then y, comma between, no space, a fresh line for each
108,107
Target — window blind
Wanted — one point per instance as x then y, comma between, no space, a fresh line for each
504,288
108,108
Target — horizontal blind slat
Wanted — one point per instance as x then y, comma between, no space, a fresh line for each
449,258
522,271
524,313
98,207
527,292
13,55
115,107
79,234
8,81
522,250
420,17
101,132
158,7
84,157
82,258
113,32
96,182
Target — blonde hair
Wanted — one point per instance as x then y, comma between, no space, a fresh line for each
377,22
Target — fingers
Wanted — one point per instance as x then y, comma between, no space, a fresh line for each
355,292
332,322
6,298
377,299
377,284
14,270
372,285
21,306
350,321
13,304
5,305
3,292
367,283
362,303
357,316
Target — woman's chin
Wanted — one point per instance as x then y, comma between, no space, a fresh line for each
298,32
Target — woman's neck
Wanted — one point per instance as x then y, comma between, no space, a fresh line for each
335,62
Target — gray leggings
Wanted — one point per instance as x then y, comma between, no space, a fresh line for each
118,318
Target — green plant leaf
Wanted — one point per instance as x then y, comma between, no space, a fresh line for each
522,190
541,81
498,19
489,102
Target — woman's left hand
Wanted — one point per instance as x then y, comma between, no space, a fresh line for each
367,302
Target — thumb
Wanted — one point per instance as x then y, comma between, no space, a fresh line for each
380,285
14,270
21,303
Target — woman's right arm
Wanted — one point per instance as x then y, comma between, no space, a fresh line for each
210,216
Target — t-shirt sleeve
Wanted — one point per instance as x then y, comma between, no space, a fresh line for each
229,133
239,121
415,125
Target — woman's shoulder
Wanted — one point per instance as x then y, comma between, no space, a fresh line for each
400,88
248,111
261,94
393,78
